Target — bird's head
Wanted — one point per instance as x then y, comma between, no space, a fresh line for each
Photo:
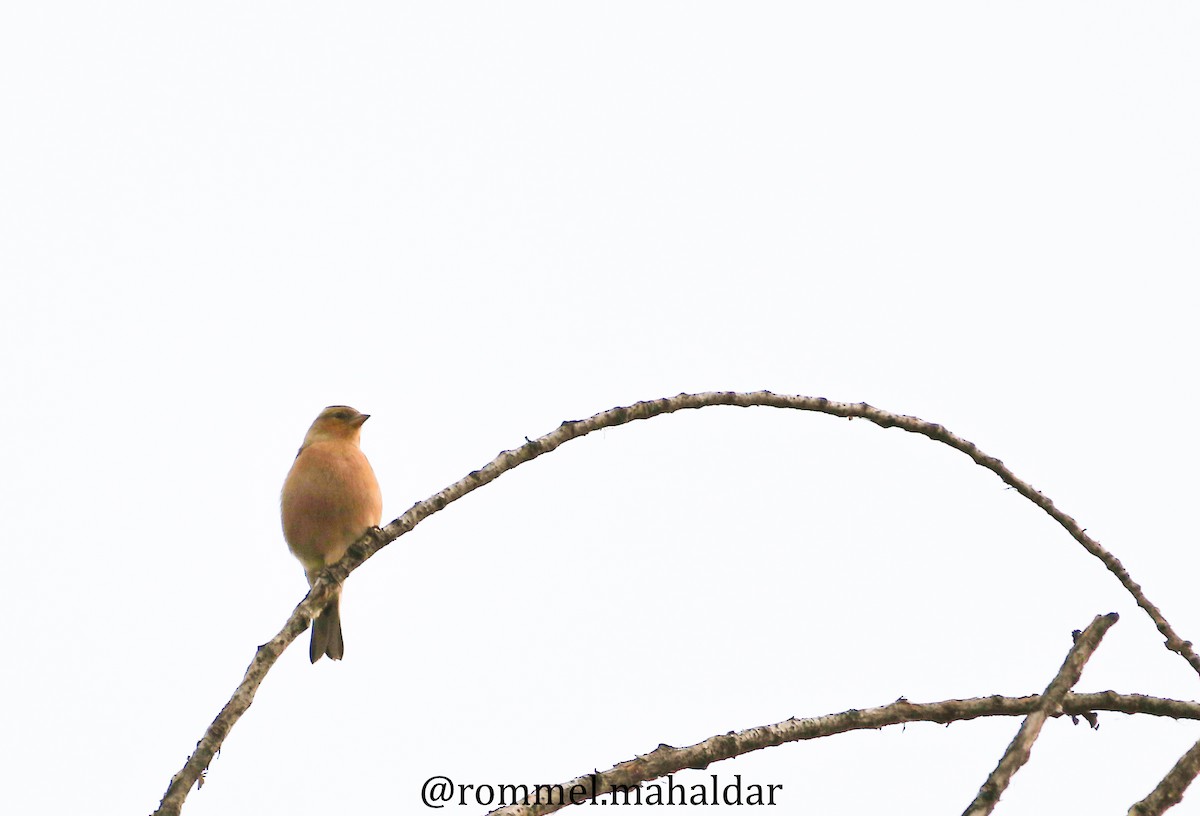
337,422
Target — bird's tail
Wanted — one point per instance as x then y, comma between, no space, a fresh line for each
327,633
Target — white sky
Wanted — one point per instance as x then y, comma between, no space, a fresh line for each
474,221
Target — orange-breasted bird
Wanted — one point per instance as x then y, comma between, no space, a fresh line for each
330,498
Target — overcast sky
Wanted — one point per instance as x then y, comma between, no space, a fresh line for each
476,220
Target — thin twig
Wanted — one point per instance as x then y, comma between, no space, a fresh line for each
375,540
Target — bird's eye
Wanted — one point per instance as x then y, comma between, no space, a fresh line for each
343,415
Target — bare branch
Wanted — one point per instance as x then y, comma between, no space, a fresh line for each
510,459
1018,750
264,658
668,760
1169,792
375,540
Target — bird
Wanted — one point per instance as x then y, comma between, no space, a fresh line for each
330,498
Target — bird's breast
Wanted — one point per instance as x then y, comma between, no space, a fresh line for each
330,498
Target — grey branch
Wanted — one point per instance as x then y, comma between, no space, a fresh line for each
667,759
1017,753
374,540
1169,792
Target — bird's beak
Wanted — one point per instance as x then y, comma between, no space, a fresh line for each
359,420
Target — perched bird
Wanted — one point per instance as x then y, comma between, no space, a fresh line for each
330,498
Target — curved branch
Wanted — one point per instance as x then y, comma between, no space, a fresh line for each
375,540
667,759
507,460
